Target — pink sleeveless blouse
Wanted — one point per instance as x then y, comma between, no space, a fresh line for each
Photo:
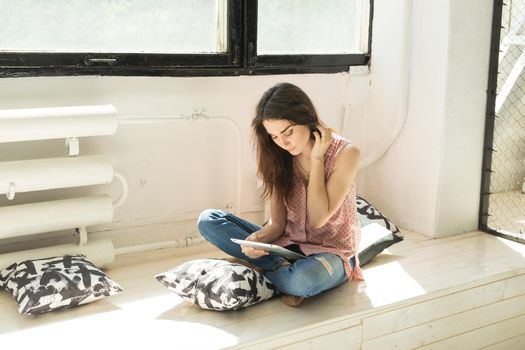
340,235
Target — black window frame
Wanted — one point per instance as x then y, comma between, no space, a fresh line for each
240,59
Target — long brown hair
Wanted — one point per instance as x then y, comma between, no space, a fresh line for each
275,165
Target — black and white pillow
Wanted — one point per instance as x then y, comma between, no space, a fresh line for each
367,210
383,234
60,282
215,284
374,239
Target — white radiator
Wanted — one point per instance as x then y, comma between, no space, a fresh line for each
20,125
64,172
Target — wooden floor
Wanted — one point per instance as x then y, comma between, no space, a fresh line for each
460,292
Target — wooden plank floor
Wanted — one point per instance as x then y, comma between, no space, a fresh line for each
446,275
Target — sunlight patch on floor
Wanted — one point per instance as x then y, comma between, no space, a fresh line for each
141,321
389,283
517,247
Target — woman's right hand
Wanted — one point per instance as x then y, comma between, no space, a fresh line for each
251,252
323,140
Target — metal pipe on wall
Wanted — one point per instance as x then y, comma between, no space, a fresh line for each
27,219
57,122
53,173
179,243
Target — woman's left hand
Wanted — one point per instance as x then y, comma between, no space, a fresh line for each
323,139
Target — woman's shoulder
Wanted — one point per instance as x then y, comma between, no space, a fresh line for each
347,150
339,139
341,143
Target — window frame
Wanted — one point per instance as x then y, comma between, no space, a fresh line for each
240,59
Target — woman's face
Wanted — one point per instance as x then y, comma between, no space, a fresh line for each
288,136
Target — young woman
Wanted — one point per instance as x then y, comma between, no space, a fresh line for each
308,173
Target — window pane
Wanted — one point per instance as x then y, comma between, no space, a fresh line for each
142,26
308,27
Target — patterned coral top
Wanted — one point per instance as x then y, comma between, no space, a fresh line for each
340,235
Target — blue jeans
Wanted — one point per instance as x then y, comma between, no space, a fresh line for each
304,277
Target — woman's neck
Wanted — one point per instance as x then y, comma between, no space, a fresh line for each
304,156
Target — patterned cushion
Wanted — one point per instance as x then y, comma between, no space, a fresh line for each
369,215
49,284
217,284
374,239
368,211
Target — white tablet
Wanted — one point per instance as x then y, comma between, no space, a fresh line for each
271,248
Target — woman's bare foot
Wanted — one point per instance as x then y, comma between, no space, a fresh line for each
292,300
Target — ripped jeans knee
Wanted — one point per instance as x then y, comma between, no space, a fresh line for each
326,264
310,276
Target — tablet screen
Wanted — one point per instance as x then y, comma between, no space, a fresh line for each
271,248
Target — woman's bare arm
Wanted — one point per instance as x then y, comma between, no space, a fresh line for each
269,232
326,197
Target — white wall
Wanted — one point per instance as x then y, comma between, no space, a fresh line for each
404,183
464,119
429,181
428,73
